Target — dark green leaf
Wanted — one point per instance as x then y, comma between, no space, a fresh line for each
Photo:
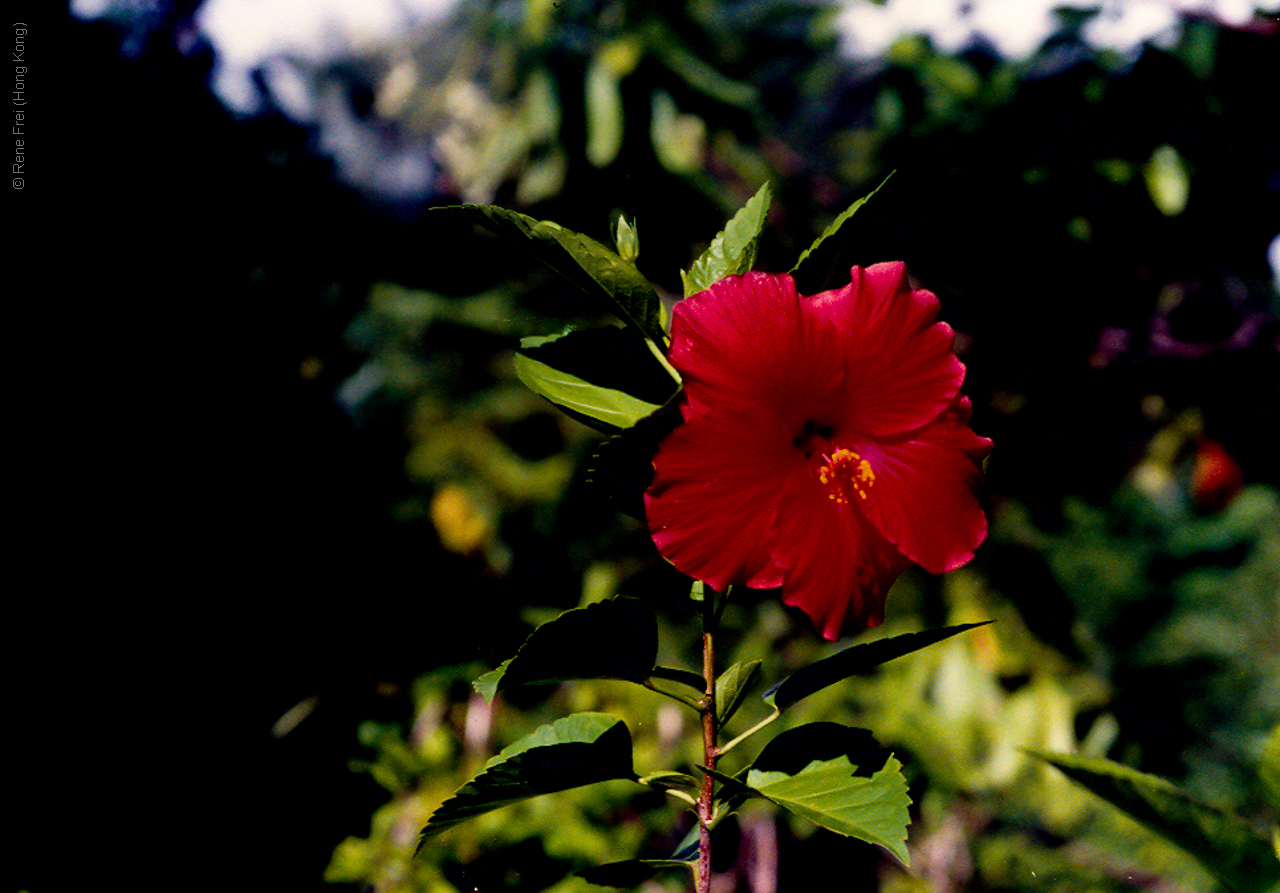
837,777
622,466
792,750
853,661
687,849
684,677
581,749
1241,860
814,268
733,250
631,873
667,779
612,639
586,263
732,686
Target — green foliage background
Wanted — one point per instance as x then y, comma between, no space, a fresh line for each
364,509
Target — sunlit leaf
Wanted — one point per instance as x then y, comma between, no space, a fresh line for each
732,686
679,139
605,375
612,639
609,356
733,250
1241,860
577,750
604,113
839,778
609,407
816,264
487,685
853,661
586,263
1167,180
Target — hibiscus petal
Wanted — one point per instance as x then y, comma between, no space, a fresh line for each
714,498
839,568
976,448
924,498
744,342
902,372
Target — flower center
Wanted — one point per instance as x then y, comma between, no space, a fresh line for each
845,473
812,436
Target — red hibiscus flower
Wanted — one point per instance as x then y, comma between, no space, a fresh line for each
825,443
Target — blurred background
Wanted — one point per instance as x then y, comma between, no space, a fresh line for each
281,496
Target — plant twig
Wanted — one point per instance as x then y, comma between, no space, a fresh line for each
709,750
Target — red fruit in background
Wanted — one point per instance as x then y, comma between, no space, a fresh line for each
1216,476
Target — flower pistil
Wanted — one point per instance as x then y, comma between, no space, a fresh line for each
846,473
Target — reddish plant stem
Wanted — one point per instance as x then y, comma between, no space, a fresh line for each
709,750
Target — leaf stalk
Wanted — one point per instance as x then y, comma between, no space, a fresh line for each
721,751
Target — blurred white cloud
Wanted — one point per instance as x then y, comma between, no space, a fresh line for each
1016,29
288,55
271,36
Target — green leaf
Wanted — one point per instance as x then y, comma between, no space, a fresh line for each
605,376
839,778
828,794
631,873
606,408
853,661
581,749
733,250
1241,860
816,264
608,356
586,263
732,686
626,237
487,685
613,639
